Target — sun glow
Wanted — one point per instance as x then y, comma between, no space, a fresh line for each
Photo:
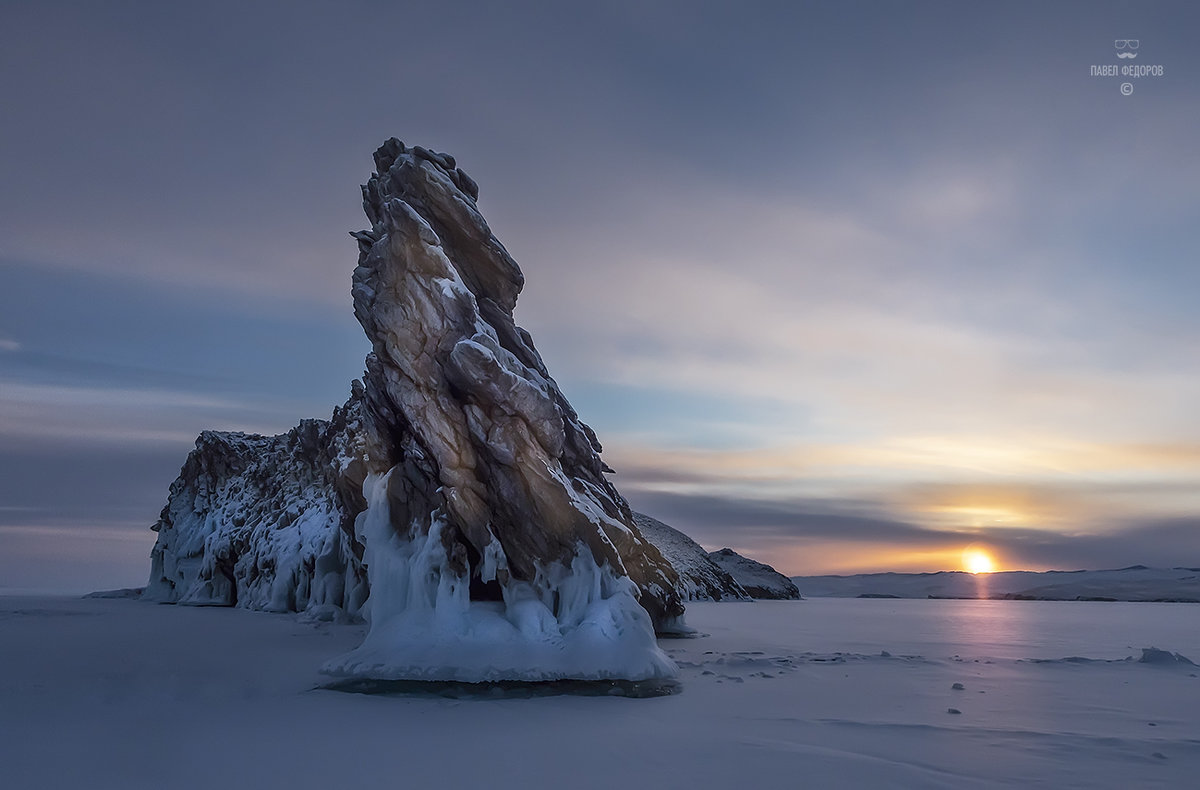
977,561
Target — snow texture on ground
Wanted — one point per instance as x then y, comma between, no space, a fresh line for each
112,693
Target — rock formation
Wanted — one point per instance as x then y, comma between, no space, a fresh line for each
458,480
758,579
700,579
495,545
267,522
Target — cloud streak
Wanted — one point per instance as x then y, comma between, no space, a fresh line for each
804,537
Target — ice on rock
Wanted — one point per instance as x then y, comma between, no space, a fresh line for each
424,625
265,522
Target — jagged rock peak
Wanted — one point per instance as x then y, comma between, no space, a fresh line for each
387,154
484,484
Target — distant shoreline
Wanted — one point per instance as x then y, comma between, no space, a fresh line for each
1134,584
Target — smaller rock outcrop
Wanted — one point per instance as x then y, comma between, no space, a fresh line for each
1153,655
267,522
758,579
700,579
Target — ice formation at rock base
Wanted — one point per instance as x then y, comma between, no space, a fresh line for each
581,622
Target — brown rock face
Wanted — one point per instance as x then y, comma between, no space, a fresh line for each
483,450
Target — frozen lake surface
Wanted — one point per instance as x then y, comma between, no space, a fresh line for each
124,694
988,629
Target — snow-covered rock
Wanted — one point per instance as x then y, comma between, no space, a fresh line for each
756,578
267,522
700,579
495,545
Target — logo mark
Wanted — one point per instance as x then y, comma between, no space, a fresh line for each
1127,49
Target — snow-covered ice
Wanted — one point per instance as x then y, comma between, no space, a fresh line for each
120,693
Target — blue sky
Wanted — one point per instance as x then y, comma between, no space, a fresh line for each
847,286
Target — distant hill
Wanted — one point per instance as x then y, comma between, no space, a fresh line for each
757,578
700,579
722,575
1135,583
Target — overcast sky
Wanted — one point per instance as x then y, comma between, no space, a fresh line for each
846,286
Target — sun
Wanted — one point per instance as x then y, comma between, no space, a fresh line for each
977,561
